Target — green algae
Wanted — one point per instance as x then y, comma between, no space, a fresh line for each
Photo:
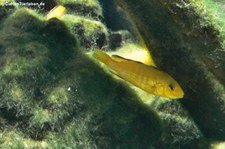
13,138
83,20
16,93
53,96
86,8
213,12
90,3
58,95
187,58
75,135
4,2
90,26
90,33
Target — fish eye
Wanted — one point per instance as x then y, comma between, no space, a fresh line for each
171,86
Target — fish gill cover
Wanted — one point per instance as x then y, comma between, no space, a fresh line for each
53,95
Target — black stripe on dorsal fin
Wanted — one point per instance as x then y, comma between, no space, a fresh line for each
119,58
122,59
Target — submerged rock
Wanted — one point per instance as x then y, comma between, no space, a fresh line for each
53,96
119,38
86,8
186,46
91,34
6,9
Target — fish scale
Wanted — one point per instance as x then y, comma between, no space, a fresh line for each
127,72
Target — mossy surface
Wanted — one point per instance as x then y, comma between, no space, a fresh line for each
53,96
86,8
90,33
188,46
213,12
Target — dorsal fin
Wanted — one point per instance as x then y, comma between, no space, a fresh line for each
119,58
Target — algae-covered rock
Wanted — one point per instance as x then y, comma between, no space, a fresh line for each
83,19
6,8
120,38
86,8
53,96
186,45
91,34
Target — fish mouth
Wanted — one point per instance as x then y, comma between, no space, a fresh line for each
180,95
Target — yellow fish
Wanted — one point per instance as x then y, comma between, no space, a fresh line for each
56,12
148,78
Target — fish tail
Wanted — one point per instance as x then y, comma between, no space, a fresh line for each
56,12
103,57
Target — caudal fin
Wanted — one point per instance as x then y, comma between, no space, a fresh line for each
56,12
103,57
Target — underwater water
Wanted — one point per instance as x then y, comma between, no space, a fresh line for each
160,86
